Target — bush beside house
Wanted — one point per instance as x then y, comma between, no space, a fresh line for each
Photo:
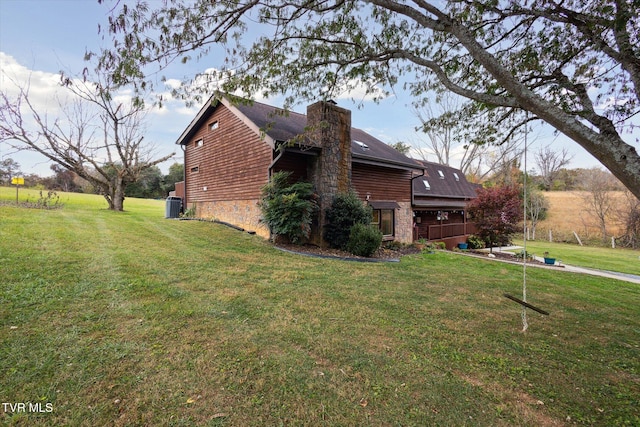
288,209
346,211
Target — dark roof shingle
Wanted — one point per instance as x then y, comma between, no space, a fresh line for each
284,125
444,181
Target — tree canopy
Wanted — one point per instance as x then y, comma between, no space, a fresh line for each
573,64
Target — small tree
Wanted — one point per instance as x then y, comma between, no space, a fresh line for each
550,163
629,213
599,201
537,207
288,209
8,169
497,211
345,211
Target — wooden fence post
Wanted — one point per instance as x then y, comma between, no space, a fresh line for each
577,237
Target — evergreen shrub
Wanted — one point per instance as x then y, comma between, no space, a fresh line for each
288,209
346,210
364,240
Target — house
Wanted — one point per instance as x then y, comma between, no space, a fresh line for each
440,199
231,149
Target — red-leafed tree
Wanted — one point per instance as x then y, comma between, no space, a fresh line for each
496,212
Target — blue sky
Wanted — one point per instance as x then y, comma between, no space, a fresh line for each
39,38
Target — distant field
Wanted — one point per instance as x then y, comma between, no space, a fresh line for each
129,319
567,213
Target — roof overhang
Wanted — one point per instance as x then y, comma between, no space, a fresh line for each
384,163
440,204
208,108
383,204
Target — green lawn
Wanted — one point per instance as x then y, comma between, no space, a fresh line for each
620,260
130,319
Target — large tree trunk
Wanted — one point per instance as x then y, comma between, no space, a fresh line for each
118,195
114,194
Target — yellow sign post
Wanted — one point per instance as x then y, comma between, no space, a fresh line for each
17,181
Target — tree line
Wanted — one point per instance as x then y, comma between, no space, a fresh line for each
151,183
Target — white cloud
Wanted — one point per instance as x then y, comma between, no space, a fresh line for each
173,83
44,88
360,91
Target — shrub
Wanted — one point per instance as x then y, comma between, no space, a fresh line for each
189,213
496,212
50,201
475,242
523,255
364,240
288,209
346,210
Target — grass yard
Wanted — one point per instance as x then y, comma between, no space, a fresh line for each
128,319
620,260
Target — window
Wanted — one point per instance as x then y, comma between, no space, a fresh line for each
213,126
426,184
199,142
195,169
383,219
455,175
441,174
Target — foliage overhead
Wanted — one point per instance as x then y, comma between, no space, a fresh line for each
574,64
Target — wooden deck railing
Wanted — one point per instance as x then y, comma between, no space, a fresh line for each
435,232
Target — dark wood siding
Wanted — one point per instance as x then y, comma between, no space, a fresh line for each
232,162
297,163
381,183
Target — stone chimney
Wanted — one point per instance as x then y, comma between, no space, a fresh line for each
329,128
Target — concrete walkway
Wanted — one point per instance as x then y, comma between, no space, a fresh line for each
603,273
632,278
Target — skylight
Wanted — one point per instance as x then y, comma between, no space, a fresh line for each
441,174
456,176
362,145
426,184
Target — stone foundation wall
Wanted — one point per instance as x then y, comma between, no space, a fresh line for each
241,213
404,223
